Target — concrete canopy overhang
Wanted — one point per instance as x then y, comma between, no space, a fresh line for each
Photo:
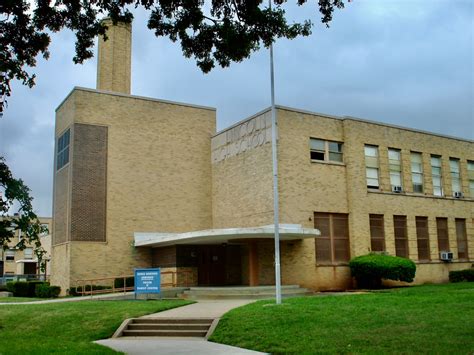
288,232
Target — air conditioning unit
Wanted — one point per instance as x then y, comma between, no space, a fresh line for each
397,189
458,194
446,256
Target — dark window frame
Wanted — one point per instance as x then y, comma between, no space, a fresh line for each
62,150
423,238
377,232
333,241
401,236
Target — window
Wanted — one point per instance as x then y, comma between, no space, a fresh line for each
470,176
333,244
62,157
436,175
45,227
455,175
423,238
10,255
461,237
377,234
372,166
326,150
417,172
395,166
443,236
28,253
401,238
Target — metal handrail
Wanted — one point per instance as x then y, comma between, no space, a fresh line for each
82,284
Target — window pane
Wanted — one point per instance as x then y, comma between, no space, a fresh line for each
317,155
461,238
371,151
442,230
372,173
394,154
377,235
395,179
335,157
335,147
317,144
401,241
423,240
323,250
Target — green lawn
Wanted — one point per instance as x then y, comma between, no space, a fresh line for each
432,319
68,327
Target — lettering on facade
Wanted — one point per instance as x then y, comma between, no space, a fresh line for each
248,135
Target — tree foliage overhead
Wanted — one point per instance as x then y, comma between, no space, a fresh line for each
213,32
16,193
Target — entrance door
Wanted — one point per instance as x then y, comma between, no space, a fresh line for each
211,265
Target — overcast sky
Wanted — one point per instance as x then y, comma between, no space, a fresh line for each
404,62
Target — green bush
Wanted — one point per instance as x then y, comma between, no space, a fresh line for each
462,275
369,270
23,288
129,282
46,291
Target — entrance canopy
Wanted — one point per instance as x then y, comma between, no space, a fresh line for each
226,235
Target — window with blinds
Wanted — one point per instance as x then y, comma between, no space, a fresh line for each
377,232
455,175
470,176
417,172
461,237
423,239
436,175
332,246
401,236
443,235
323,150
395,166
372,166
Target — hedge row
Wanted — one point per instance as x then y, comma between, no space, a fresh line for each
129,282
369,270
462,275
39,289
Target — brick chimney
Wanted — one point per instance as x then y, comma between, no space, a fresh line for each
114,60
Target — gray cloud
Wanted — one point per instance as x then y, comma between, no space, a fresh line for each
408,63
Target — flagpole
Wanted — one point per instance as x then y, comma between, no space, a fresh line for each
275,179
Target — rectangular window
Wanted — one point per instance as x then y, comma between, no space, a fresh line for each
395,166
470,176
332,245
10,255
62,157
461,237
455,175
437,176
417,172
443,236
401,236
323,150
423,238
372,166
28,253
377,233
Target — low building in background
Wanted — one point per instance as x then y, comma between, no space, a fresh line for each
16,264
141,182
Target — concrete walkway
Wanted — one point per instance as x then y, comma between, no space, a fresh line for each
110,296
175,345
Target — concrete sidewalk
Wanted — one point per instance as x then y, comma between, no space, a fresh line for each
176,345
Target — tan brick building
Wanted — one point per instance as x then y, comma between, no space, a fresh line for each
141,182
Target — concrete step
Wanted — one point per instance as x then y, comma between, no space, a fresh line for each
169,326
207,321
240,289
164,333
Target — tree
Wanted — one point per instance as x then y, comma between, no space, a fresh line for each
16,193
225,31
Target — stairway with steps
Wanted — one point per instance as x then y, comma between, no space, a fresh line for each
242,292
165,327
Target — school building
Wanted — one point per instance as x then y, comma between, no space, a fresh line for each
143,182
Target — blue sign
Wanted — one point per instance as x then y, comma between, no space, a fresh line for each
147,281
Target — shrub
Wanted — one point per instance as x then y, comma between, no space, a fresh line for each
462,275
46,291
369,270
24,288
129,282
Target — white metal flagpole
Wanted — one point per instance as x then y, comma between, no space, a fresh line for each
275,179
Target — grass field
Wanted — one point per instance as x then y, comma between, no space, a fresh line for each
430,319
68,327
